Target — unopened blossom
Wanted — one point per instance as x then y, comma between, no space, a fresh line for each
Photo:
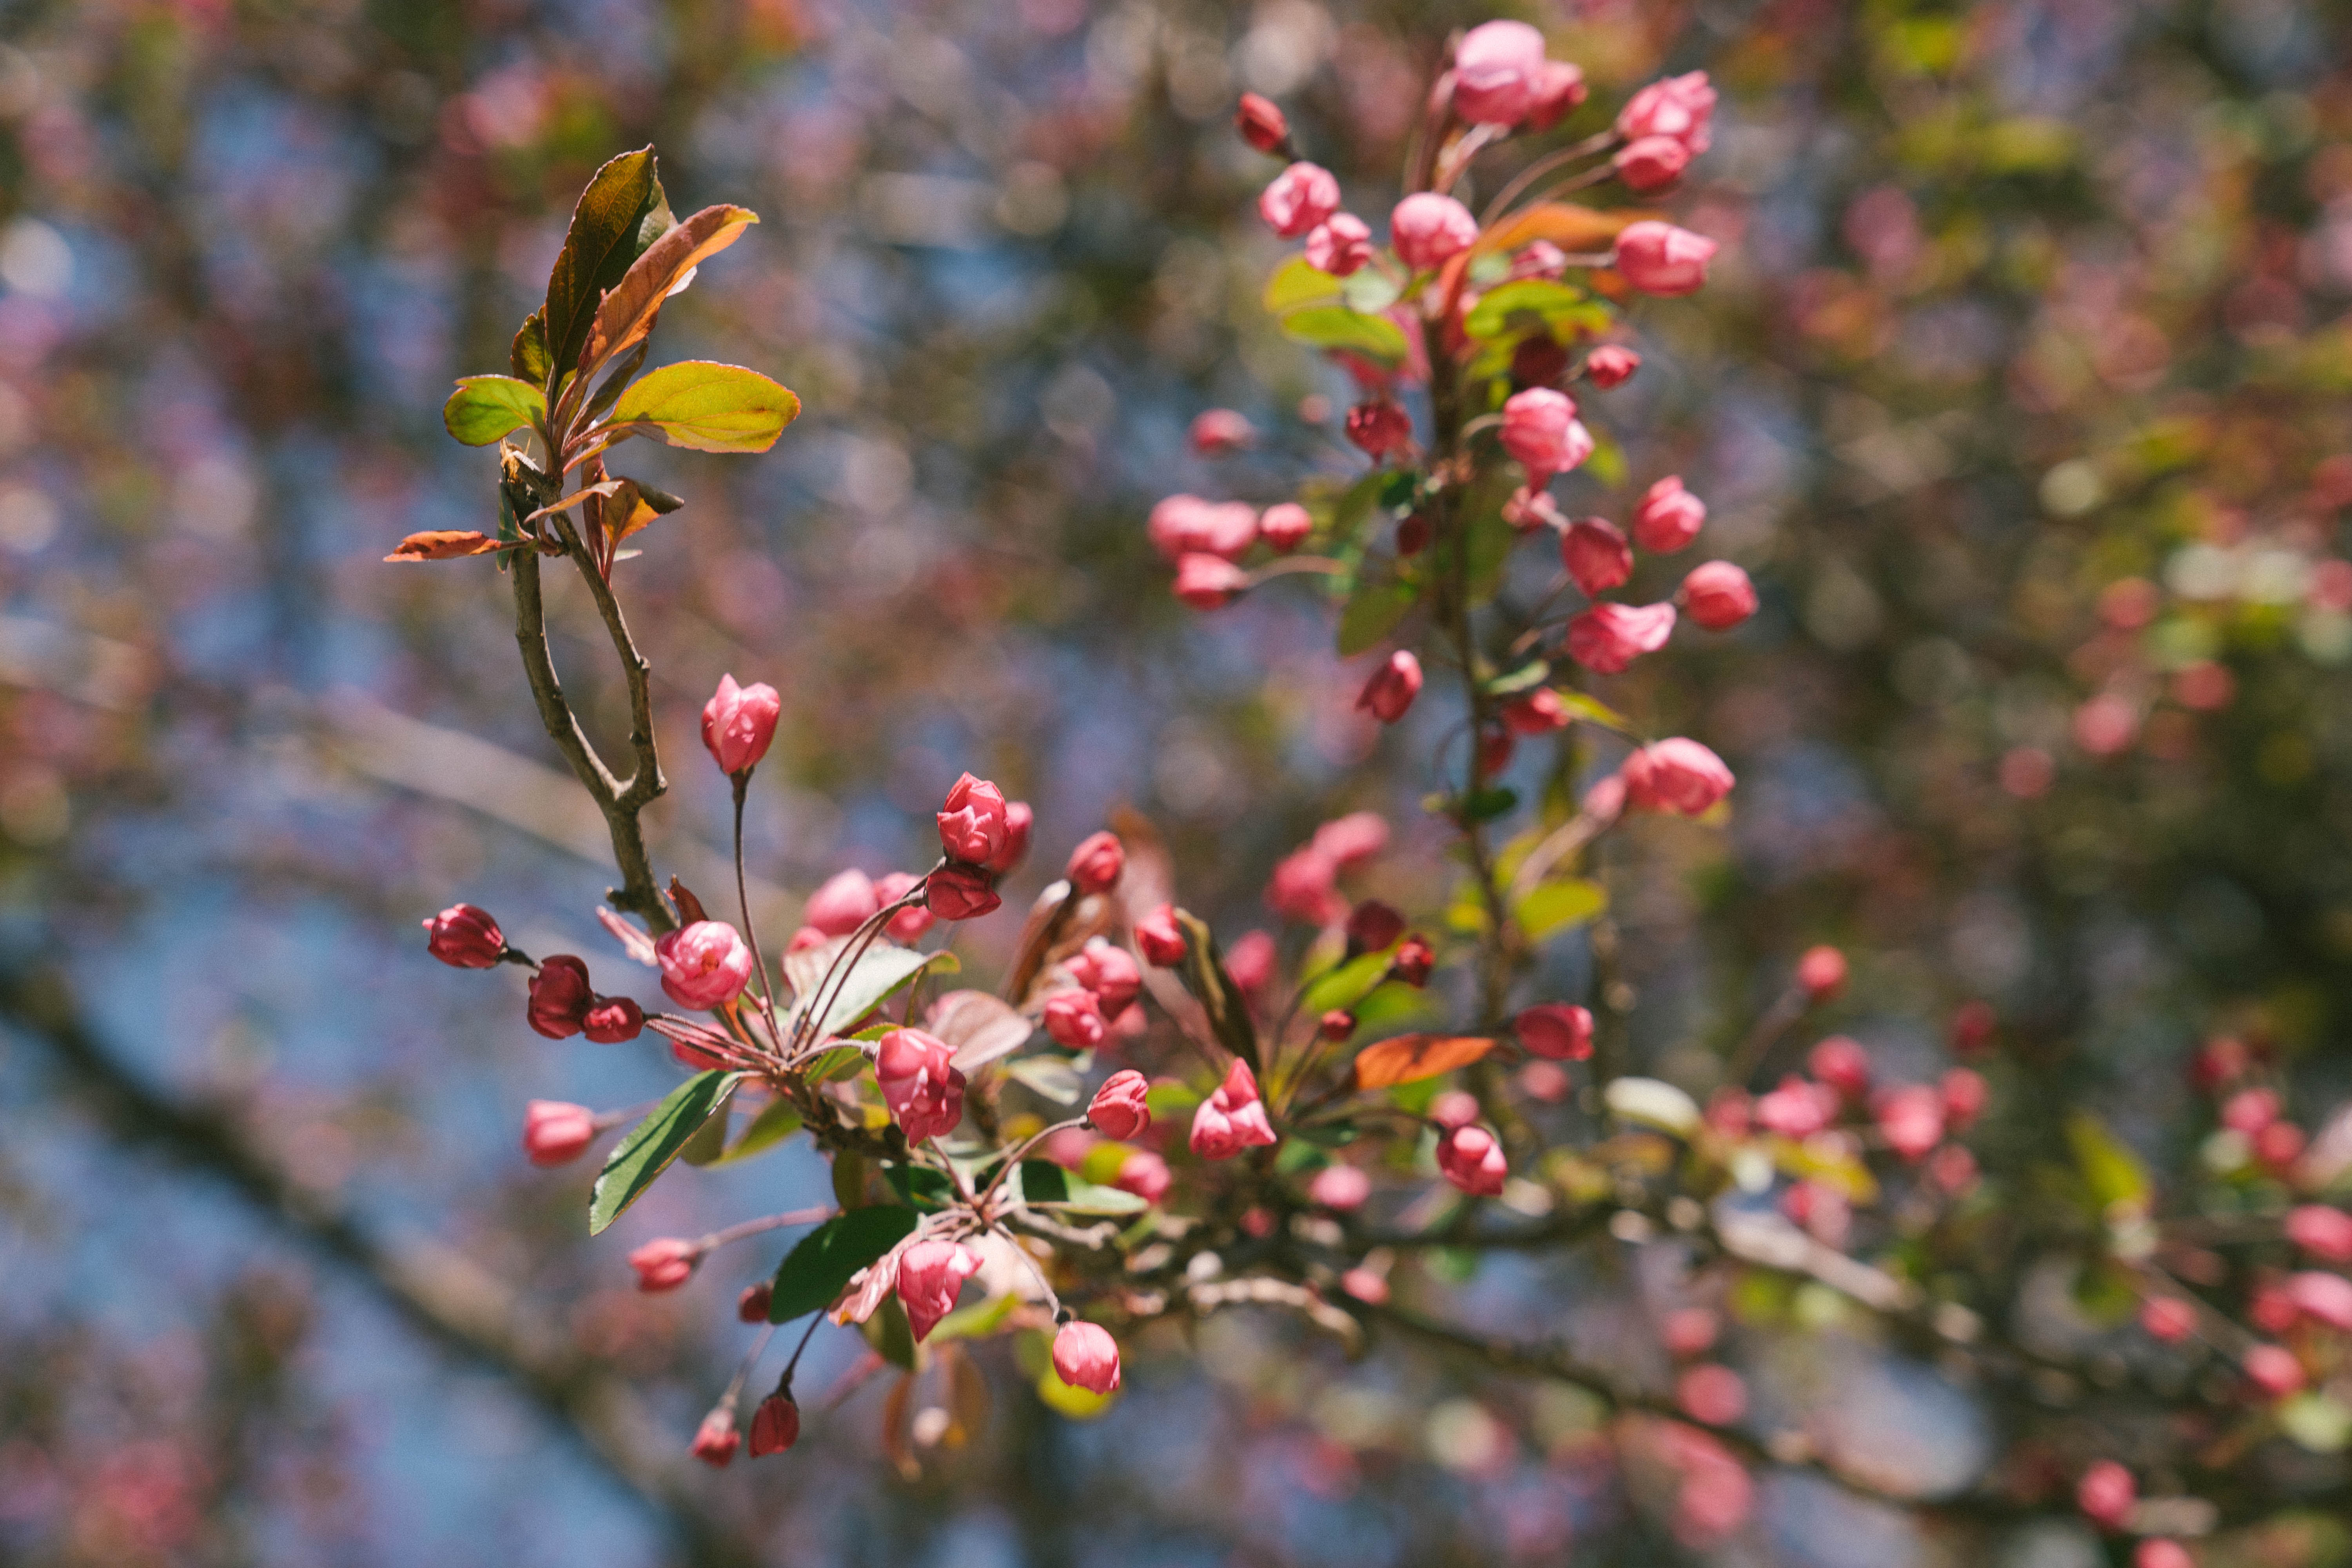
2158,1553
1298,198
1718,595
1471,1159
1341,1187
559,998
1145,1174
1820,973
1075,1020
846,901
775,1425
1357,836
2250,1110
1109,972
1535,713
1540,429
1676,775
1712,1394
752,1305
1160,939
1261,123
1682,107
737,724
1455,1108
1429,230
1659,258
1597,557
665,1263
1611,365
613,1020
1336,1024
1911,1119
909,923
1232,1118
1498,70
2105,1494
1208,582
920,1083
1669,517
1119,1110
1217,432
1393,688
1379,428
1414,961
1797,1108
1965,1093
1689,1332
2168,1318
556,1131
1304,888
931,1273
1373,925
1096,863
1558,91
1341,245
2323,1297
2324,1232
1527,510
961,894
2273,1370
1652,164
2271,1309
1286,526
972,827
1182,525
1608,637
1841,1062
1560,1031
703,965
464,937
1018,820
716,1440
1085,1356
1249,961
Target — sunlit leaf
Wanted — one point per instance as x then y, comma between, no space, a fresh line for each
1346,984
526,357
610,219
1299,282
1378,605
708,408
1653,1104
1329,327
1408,1059
448,544
979,1027
1563,310
1556,906
1051,1077
1204,975
486,408
1043,1182
628,310
889,1335
2109,1168
652,1143
816,1270
777,1121
878,973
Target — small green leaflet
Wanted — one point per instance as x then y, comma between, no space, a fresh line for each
2112,1172
652,1143
1043,1182
708,408
1345,985
1525,678
1204,975
1329,327
1299,282
1555,905
485,407
1563,310
813,1272
1378,605
779,1121
878,972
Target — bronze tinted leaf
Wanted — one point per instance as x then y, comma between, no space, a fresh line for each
1409,1058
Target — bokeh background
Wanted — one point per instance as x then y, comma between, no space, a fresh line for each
2022,392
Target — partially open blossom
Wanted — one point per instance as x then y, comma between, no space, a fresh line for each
1182,525
1118,1108
1304,888
1341,245
716,1440
1540,429
2273,1370
846,901
703,965
1820,973
1535,713
1261,123
1298,198
1250,961
1965,1094
1341,1187
1145,1174
961,894
2105,1494
1609,637
919,1082
555,1131
1471,1159
559,998
1719,595
1109,972
1797,1108
1677,776
739,723
1429,230
1556,1030
931,1273
2168,1318
665,1263
1285,526
1558,90
613,1020
775,1425
1611,365
1358,835
909,923
1218,431
1669,517
1018,819
1160,939
1393,688
464,937
1596,555
1712,1394
2324,1232
1414,961
1842,1064
1075,1020
1652,164
1911,1119
1232,1118
1373,925
1681,107
1498,68
1085,1356
1379,428
1659,258
1208,582
1527,510
1096,863
972,828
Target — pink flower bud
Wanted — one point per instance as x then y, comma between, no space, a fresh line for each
559,998
2324,1298
1145,1174
1336,1025
751,1305
1540,429
920,1083
613,1020
737,724
2273,1370
1208,582
1689,1332
1414,961
1297,199
2250,1110
1373,925
2324,1233
1659,258
1558,91
1304,888
1719,595
664,1263
1821,973
1429,230
1596,555
1018,819
847,900
1343,1188
931,1274
1118,1108
1652,164
1610,365
961,894
909,924
1842,1064
1556,1030
1160,939
1219,432
1251,961
1797,1108
1261,123
1711,1394
1285,526
1471,1159
704,965
1085,1356
1379,428
1455,1108
1109,972
1232,1118
972,828
1680,107
2105,1494
1391,688
1609,637
2271,1309
1953,1169
2168,1318
716,1440
555,1132
1965,1094
464,937
1075,1020
1096,863
1605,801
1357,836
1498,70
1535,713
2158,1553
1366,1286
775,1426
1676,775
1912,1121
1341,245
1669,517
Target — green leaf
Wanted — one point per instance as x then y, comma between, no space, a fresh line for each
710,1140
835,1065
1043,1182
527,355
598,249
652,1143
813,1272
920,1187
1368,291
880,970
1299,282
1555,905
891,1335
485,407
1346,984
1485,804
778,1122
1564,311
1526,678
708,408
1593,708
1373,611
1203,973
1052,1077
976,1322
1653,1104
1329,327
2109,1168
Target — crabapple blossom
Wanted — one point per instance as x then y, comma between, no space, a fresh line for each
1118,1109
555,1131
920,1083
1085,1356
1232,1119
1718,595
1677,776
464,937
1393,688
931,1273
1298,198
1608,637
1659,258
703,965
1429,230
739,723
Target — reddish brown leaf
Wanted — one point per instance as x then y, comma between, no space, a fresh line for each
448,545
1566,225
1409,1058
628,310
